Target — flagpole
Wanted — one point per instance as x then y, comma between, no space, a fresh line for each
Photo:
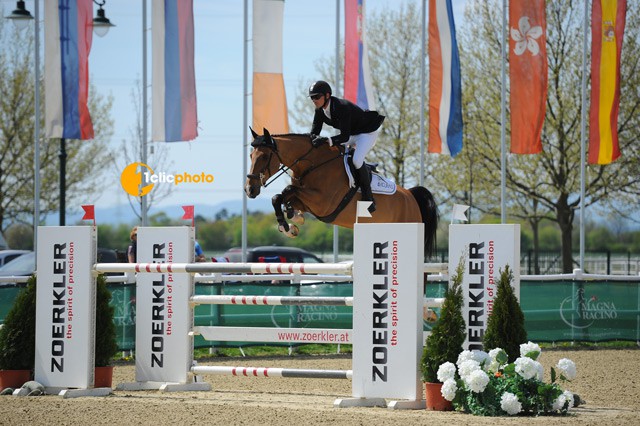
422,89
503,115
336,239
36,155
583,121
143,142
245,123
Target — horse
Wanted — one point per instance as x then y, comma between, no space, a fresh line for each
320,186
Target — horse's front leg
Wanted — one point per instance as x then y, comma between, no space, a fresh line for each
291,207
290,231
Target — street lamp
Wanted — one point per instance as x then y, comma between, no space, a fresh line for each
20,16
101,23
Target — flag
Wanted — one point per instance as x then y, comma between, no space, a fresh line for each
357,77
189,213
445,91
362,209
174,106
68,35
89,212
459,212
607,29
269,99
527,74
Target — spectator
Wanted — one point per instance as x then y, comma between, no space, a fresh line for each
199,253
133,247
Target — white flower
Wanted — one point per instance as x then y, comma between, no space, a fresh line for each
565,397
525,37
509,403
540,374
527,348
464,356
449,389
567,368
468,367
446,371
492,364
480,356
527,368
569,397
477,381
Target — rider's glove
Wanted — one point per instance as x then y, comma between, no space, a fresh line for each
319,140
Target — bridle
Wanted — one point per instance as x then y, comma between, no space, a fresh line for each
270,143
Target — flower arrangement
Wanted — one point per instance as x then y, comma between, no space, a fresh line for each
486,384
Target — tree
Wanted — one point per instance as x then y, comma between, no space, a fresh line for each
547,184
131,152
86,160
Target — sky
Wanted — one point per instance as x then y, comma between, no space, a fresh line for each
115,68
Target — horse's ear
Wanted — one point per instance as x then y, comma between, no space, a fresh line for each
255,135
266,133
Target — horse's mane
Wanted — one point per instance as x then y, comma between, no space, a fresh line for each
292,134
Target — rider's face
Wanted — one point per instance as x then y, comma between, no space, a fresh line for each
318,102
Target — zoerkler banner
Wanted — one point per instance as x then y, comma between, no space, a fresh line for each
65,307
164,348
387,310
485,250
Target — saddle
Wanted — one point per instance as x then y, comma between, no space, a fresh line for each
379,183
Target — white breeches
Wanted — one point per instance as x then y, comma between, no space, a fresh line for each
363,144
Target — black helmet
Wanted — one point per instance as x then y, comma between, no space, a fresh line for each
319,88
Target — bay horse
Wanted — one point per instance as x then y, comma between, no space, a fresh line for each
320,186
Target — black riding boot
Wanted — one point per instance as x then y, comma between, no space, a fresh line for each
365,187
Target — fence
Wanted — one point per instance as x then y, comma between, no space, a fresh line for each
556,308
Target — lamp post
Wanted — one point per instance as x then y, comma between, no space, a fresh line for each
20,16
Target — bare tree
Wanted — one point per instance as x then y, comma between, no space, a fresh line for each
131,152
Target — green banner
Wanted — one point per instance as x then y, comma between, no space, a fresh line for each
555,311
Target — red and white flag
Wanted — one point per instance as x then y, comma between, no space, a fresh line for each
528,74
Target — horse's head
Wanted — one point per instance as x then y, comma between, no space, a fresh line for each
264,163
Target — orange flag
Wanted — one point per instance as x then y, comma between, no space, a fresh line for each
527,73
607,28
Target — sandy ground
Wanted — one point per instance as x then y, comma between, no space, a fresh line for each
609,381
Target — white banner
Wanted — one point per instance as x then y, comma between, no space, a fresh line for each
65,307
487,249
164,348
387,310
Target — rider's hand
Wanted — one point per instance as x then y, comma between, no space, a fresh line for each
319,140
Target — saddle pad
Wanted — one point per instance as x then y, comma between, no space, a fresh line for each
379,184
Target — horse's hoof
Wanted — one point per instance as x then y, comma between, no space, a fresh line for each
293,231
298,218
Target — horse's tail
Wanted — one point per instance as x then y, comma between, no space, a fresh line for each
430,216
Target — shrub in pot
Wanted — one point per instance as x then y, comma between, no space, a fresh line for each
447,336
18,338
106,345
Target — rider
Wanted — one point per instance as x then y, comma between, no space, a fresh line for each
357,127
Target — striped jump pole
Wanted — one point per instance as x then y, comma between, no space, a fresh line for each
272,372
271,300
212,267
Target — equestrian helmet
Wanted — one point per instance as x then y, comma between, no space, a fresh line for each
320,87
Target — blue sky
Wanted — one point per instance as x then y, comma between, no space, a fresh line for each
116,66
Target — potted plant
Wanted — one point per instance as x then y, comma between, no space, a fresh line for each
18,339
106,346
444,344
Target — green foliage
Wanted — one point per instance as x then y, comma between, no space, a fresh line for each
18,334
106,346
447,336
505,328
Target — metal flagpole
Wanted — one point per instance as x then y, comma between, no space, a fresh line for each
422,87
143,142
503,115
336,235
36,155
583,121
245,85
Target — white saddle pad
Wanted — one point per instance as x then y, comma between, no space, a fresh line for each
379,184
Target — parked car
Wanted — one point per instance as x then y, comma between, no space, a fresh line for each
7,256
273,254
